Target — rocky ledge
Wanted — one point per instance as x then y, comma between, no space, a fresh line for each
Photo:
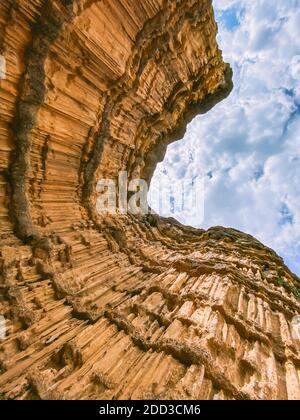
123,307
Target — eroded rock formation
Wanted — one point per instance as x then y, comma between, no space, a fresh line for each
123,307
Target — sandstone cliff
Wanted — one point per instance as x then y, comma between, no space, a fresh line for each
123,307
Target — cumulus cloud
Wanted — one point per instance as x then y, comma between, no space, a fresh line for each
248,146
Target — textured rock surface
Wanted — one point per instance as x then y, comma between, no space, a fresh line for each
123,307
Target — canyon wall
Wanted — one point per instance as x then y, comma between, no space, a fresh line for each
123,307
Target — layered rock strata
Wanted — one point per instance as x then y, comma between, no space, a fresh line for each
123,307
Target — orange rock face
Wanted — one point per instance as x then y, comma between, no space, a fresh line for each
123,307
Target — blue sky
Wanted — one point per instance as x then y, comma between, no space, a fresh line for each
247,148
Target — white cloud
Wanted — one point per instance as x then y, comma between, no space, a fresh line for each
249,145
